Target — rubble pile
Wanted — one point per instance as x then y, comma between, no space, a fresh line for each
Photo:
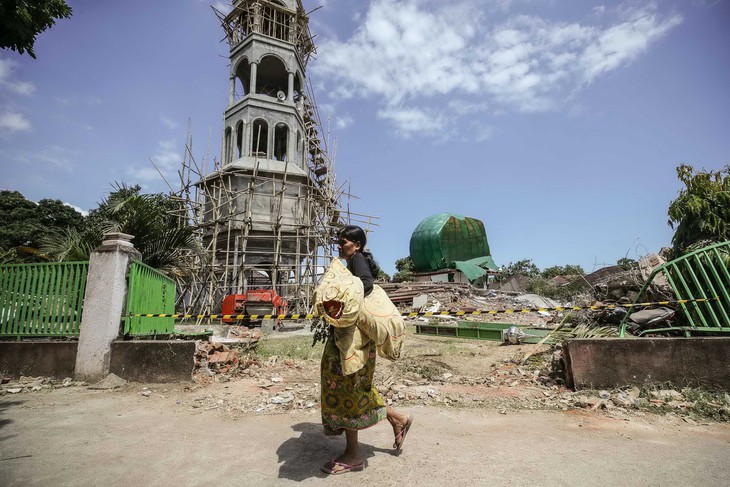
402,293
36,384
213,358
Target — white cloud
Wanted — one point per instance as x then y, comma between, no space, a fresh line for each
624,42
223,7
83,212
47,158
7,81
11,122
73,100
344,121
169,123
482,132
58,157
409,120
411,54
167,158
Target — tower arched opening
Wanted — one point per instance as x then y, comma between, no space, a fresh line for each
271,77
260,138
239,139
227,146
281,141
243,79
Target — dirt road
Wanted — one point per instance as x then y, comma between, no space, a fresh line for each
75,436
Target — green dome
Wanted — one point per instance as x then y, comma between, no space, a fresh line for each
444,238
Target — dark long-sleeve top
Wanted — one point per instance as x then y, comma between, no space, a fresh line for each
358,265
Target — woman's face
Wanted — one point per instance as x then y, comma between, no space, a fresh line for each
347,248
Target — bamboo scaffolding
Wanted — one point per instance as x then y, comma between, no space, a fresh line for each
238,245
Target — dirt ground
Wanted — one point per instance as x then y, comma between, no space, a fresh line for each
481,417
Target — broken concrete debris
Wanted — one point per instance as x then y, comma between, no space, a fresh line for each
36,384
111,381
213,358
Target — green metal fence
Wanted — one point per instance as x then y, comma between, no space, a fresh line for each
150,291
42,300
702,274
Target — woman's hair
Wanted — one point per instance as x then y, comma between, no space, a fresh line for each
353,233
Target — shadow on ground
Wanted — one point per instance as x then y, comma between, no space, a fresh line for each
4,421
300,457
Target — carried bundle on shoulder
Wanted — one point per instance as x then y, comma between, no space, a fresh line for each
363,319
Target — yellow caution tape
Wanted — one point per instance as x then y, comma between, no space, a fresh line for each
424,313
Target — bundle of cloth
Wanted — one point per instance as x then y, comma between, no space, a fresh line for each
373,318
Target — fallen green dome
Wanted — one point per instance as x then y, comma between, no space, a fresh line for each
441,240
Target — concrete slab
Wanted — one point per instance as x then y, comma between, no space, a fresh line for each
153,360
616,362
51,358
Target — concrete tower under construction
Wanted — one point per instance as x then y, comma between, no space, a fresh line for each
268,211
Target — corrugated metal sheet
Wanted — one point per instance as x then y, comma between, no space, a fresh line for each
445,238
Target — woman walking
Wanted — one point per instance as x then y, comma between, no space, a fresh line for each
350,402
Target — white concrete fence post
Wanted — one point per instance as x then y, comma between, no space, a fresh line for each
104,303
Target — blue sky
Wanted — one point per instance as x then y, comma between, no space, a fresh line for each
557,123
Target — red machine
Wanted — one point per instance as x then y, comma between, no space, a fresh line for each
253,302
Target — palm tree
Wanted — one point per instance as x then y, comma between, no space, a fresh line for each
164,241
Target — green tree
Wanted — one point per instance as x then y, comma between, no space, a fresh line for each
559,270
22,20
404,268
18,224
626,262
162,239
524,267
382,276
24,224
700,215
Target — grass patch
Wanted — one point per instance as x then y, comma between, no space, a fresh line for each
297,348
712,405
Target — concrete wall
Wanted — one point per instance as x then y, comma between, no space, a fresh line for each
615,362
153,360
136,361
38,358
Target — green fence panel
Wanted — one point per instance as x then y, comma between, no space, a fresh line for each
702,274
42,300
150,292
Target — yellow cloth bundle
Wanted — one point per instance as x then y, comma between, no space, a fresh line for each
363,319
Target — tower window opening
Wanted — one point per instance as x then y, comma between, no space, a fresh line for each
227,147
243,79
260,139
239,139
271,77
281,136
297,87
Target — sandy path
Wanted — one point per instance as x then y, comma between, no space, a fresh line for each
79,437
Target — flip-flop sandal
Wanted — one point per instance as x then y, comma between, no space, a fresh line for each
336,468
401,437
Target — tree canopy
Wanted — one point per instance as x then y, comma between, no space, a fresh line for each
22,21
24,223
404,268
700,214
562,270
524,267
52,230
159,235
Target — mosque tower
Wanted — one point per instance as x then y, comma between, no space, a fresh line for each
270,203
